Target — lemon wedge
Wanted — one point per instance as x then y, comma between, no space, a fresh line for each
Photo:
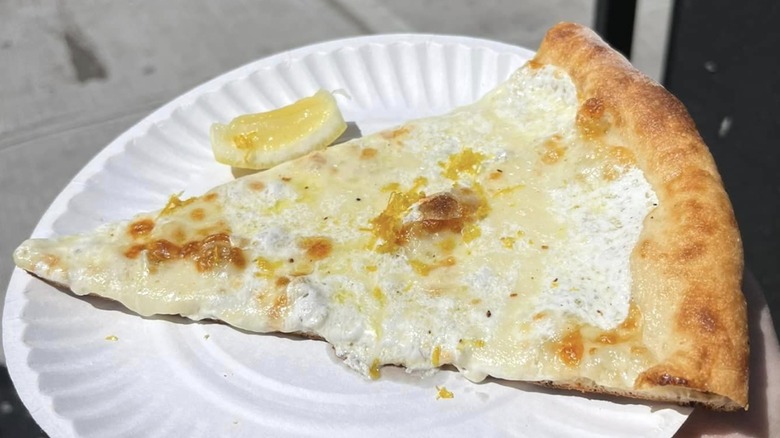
263,140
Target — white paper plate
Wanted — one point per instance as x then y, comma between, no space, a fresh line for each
167,377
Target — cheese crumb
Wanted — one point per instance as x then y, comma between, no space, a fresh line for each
443,393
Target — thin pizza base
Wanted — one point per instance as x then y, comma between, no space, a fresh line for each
491,304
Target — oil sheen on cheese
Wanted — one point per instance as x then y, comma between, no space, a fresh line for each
496,238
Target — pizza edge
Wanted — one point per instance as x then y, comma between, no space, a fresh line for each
687,265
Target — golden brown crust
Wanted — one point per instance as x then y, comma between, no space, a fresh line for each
687,266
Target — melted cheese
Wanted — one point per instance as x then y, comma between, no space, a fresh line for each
496,238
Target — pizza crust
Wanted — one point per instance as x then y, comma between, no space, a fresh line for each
687,266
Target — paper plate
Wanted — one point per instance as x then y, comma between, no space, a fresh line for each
85,367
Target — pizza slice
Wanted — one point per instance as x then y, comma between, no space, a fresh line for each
570,228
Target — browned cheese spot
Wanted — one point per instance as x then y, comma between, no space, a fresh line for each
396,134
446,211
237,257
257,185
368,153
443,206
571,348
211,197
134,251
553,150
629,331
617,160
634,319
198,214
50,260
495,175
282,281
280,306
317,247
140,228
590,119
161,250
608,338
215,251
454,211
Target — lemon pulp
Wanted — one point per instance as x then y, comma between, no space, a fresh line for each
263,140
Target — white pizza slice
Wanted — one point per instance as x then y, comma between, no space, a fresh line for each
532,235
